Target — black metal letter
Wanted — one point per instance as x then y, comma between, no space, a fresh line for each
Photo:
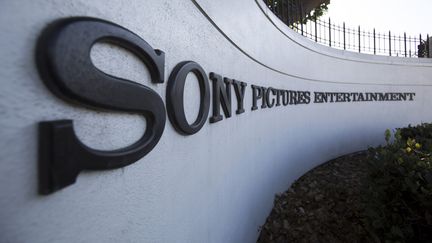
263,98
63,60
240,88
175,102
256,94
221,96
269,103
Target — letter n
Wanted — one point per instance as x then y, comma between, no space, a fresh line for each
221,97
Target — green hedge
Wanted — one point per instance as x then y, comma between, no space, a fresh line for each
398,197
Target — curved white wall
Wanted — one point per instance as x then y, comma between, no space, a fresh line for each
217,185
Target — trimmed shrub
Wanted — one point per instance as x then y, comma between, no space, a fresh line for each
398,197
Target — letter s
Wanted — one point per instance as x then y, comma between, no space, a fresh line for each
64,63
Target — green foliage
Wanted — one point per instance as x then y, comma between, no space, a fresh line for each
293,7
399,193
316,13
423,48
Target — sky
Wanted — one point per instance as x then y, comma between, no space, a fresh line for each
398,16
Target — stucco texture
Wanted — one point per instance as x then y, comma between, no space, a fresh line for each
217,185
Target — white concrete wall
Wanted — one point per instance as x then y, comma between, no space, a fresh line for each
217,185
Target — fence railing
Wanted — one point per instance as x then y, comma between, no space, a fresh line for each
342,37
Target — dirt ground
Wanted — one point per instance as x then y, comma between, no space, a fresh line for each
324,205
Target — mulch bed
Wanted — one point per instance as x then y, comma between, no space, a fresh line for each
324,205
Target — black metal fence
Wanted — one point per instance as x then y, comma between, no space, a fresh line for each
339,36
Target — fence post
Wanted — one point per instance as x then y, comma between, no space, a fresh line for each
374,41
344,35
429,39
421,48
329,31
405,43
359,39
283,11
289,11
296,11
292,13
301,19
316,30
389,43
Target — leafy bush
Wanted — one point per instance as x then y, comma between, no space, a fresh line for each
399,193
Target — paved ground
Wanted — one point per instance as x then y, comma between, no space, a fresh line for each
324,205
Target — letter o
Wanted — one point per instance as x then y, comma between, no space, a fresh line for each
175,101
